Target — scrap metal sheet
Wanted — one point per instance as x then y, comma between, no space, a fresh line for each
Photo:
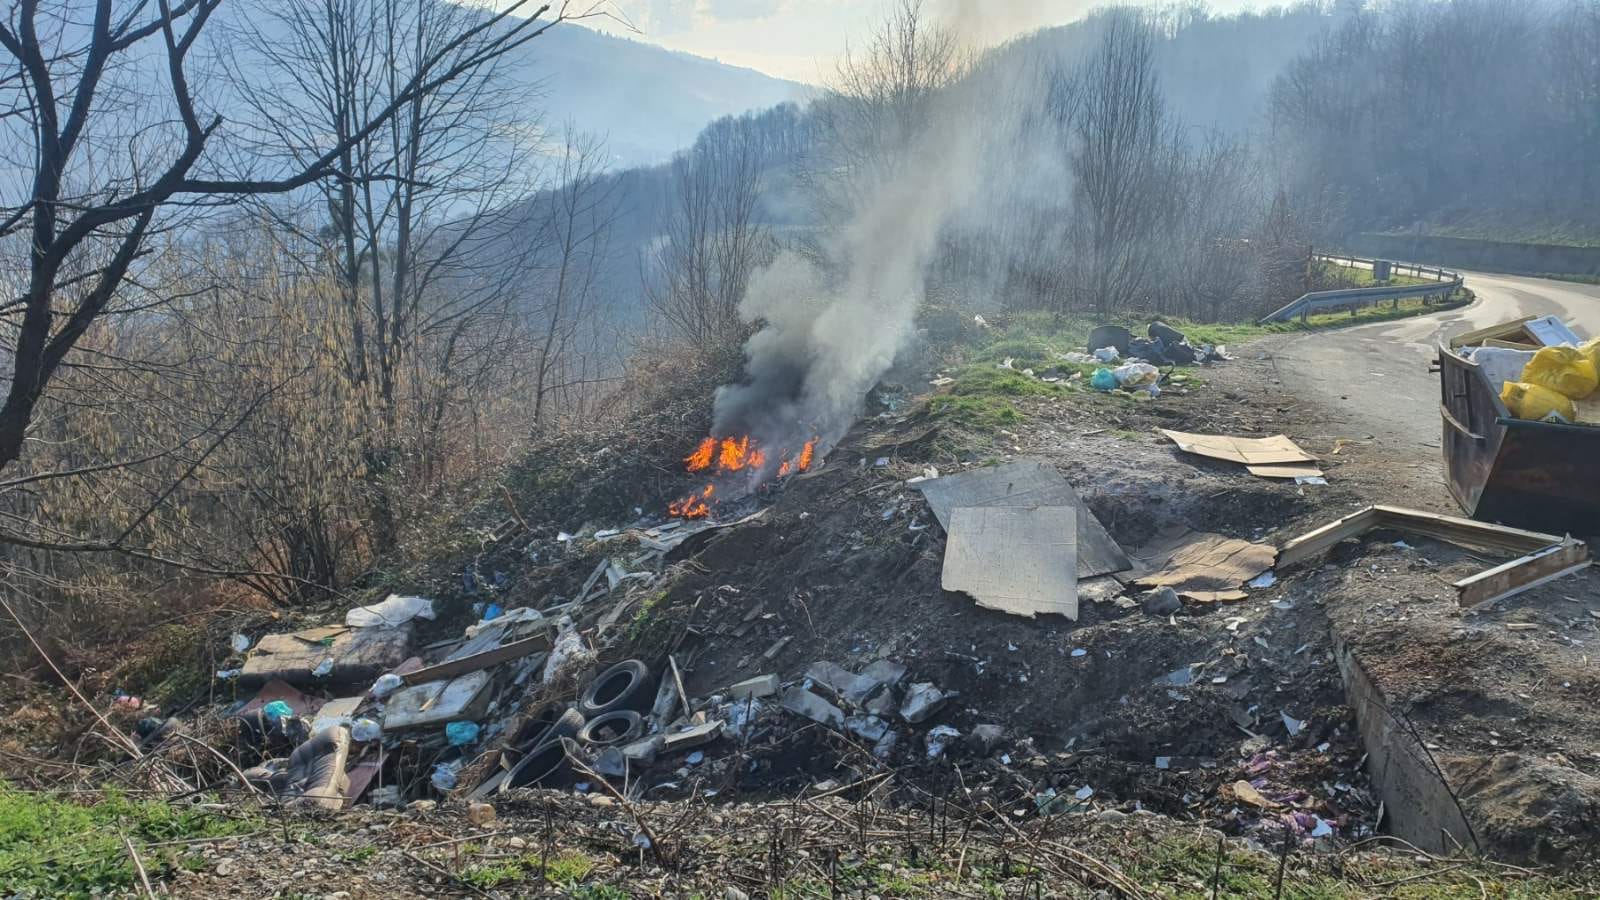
1027,482
1018,560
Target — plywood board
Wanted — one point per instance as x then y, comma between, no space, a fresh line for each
1017,560
437,702
1208,567
1268,451
1027,482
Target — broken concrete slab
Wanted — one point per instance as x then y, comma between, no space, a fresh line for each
869,728
923,699
802,702
1026,482
1016,560
885,671
842,683
643,752
346,655
757,687
693,736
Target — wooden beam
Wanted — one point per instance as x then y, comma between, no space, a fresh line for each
1471,532
487,659
1320,541
1523,574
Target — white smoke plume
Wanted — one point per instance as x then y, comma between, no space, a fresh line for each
832,330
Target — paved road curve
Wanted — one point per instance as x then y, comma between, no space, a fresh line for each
1374,379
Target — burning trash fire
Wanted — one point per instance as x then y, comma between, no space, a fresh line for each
729,455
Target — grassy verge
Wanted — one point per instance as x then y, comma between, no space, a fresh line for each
51,846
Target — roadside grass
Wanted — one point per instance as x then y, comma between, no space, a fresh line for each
56,847
565,870
984,394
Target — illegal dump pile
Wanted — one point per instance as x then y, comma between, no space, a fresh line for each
1052,625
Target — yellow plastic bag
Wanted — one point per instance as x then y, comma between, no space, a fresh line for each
1565,370
1530,401
1591,352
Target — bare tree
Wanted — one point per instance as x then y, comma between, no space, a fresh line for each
102,182
712,240
577,231
1120,148
880,100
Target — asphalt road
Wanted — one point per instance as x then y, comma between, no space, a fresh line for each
1372,382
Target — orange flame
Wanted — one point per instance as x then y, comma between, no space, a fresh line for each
700,459
693,506
733,454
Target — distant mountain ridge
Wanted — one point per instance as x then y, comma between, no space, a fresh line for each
648,102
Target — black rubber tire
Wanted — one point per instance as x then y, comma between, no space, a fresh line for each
553,722
544,766
612,729
625,685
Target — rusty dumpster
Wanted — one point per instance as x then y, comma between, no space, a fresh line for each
1538,475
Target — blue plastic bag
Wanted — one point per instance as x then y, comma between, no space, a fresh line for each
461,733
1103,380
275,710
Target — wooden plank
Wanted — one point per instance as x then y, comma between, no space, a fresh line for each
1503,330
1320,541
1465,531
457,667
1523,574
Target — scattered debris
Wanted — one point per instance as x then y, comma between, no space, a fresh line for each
1206,568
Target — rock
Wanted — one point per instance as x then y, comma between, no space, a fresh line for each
480,814
516,843
733,893
693,736
923,700
1112,816
838,681
884,748
984,738
1161,602
869,728
760,686
611,763
802,702
226,867
422,806
938,738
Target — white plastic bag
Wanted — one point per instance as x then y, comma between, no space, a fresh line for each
395,610
1134,375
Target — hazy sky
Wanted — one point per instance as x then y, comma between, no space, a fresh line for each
800,39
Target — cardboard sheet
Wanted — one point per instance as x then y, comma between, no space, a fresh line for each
1027,482
1017,560
1270,451
1292,470
1204,567
357,654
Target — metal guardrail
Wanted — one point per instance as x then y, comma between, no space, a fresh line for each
1349,298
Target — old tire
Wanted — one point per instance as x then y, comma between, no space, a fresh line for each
625,685
544,766
612,729
551,723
